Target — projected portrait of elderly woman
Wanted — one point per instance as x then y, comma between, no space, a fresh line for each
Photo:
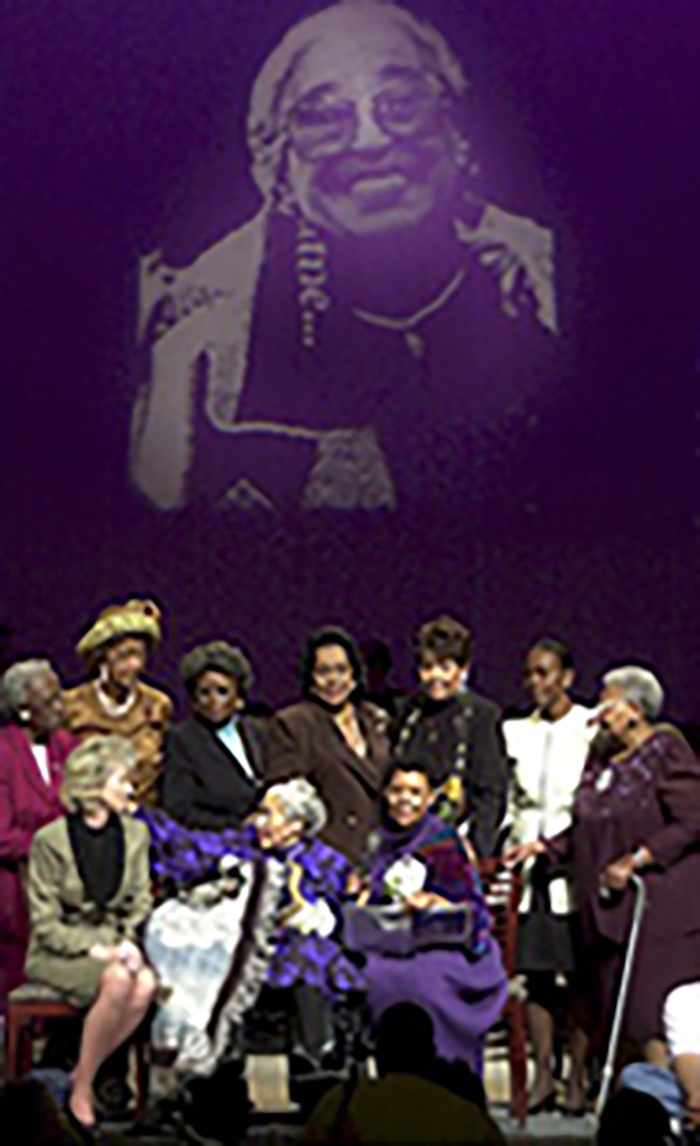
338,350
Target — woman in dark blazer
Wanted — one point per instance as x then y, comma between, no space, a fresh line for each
335,739
214,762
33,751
89,890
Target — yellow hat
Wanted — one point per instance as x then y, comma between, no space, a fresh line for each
134,619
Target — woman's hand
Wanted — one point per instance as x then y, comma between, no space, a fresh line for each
130,955
521,853
421,900
103,951
617,874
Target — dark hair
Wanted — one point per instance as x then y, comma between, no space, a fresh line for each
217,656
557,648
445,639
329,635
412,764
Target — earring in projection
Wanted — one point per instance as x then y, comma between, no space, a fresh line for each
311,259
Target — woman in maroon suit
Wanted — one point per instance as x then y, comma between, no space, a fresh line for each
32,755
636,810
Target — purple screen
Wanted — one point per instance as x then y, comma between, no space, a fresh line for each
355,315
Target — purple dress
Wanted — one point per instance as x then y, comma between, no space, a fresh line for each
649,797
463,991
183,856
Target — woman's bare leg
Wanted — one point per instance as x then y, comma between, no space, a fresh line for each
541,1025
120,1007
579,1043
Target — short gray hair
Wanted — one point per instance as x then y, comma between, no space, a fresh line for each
266,117
18,679
217,656
90,765
301,801
639,686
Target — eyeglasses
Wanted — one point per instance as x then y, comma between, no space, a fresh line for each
321,125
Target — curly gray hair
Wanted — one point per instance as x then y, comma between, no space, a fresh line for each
301,801
18,679
639,686
90,765
270,102
217,656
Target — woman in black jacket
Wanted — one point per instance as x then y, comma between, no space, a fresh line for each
215,759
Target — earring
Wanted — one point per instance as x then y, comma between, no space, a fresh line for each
311,265
24,714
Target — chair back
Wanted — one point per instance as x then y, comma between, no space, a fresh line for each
502,890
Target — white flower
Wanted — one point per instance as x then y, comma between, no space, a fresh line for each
405,877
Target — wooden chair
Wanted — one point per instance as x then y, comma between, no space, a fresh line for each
33,1003
502,889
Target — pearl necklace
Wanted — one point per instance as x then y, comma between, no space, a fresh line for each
114,708
406,326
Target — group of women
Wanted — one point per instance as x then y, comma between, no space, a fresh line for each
256,833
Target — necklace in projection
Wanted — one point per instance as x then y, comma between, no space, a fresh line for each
408,326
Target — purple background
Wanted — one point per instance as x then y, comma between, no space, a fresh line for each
125,133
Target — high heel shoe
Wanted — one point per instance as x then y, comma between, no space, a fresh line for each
545,1105
84,1133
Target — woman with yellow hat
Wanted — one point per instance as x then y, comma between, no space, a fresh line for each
114,699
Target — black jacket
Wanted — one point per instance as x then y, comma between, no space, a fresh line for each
431,732
203,784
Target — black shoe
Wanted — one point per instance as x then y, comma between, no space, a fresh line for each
545,1105
83,1133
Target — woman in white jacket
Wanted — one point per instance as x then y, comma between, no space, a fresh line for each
548,750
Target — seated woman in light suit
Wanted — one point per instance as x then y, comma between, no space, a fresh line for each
89,893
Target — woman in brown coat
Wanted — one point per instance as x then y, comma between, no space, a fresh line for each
335,739
89,892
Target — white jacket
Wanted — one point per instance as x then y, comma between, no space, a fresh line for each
548,758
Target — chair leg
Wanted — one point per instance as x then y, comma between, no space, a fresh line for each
517,1057
12,1041
143,1065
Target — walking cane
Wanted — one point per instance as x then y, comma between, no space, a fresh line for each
606,1077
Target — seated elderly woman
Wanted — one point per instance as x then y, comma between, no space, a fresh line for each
418,860
636,810
214,760
33,751
269,919
89,893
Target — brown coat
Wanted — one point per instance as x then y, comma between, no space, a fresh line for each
145,724
305,741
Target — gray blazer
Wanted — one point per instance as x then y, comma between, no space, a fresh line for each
63,922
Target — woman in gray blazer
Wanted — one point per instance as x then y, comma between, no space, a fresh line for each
89,891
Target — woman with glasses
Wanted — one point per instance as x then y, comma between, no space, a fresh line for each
214,760
335,739
325,353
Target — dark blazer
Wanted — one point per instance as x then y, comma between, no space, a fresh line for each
432,734
204,786
305,741
26,804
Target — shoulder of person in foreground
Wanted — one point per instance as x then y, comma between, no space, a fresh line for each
431,1111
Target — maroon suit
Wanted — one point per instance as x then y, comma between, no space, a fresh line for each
27,802
649,797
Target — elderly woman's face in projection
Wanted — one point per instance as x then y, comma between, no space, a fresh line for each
371,145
